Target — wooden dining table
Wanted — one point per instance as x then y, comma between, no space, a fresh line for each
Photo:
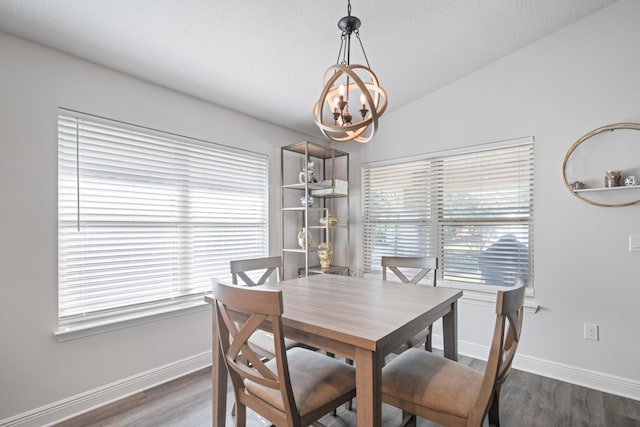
363,319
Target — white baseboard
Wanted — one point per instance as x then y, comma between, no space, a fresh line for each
559,371
83,402
78,404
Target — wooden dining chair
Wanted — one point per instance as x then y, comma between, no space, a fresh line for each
421,266
448,393
261,341
295,388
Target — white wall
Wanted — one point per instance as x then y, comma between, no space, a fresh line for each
557,89
35,370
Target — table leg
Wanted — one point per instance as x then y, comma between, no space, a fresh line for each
450,332
368,388
218,378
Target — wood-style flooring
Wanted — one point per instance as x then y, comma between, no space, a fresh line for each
526,400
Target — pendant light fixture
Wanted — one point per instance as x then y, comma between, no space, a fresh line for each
352,100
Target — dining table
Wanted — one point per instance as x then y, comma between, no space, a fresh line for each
362,319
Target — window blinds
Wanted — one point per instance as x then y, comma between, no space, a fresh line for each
146,219
473,210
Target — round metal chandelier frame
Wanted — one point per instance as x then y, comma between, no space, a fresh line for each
331,112
377,104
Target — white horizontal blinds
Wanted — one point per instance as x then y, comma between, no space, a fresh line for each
472,210
147,219
396,211
485,203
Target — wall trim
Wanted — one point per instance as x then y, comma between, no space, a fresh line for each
73,406
607,383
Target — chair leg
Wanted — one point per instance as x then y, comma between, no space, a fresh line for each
241,415
349,405
408,419
494,409
428,342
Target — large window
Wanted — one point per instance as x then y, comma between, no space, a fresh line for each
146,219
473,209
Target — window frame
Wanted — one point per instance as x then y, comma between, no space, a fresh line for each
435,222
185,295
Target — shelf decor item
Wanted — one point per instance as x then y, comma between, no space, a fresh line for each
304,238
577,185
329,220
325,253
308,176
631,180
612,179
307,202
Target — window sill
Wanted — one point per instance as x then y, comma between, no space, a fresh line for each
489,300
69,333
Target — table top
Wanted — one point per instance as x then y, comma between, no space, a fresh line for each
363,312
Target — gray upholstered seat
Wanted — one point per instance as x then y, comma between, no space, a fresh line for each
446,392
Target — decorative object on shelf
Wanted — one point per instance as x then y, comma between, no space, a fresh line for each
307,202
343,82
612,179
582,195
309,176
329,220
631,180
325,253
577,185
304,238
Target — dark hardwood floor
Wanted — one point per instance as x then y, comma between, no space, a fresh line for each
526,400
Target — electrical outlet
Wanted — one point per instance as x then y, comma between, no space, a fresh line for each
591,332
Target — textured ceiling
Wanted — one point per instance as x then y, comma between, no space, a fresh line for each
267,58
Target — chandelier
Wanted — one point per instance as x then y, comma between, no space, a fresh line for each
347,85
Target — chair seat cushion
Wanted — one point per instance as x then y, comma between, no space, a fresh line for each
424,379
262,343
316,380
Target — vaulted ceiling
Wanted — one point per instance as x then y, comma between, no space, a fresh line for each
267,58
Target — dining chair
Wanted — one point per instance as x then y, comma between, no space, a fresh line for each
240,267
401,266
449,393
261,341
295,388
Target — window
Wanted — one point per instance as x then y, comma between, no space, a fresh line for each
472,209
146,219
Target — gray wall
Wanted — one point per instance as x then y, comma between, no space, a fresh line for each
556,90
35,369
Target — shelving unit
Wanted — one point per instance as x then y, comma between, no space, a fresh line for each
330,195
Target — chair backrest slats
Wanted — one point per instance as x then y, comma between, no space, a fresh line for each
424,264
270,265
256,307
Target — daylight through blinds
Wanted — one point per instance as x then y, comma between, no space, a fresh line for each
473,210
146,219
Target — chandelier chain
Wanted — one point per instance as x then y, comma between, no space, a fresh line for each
342,40
362,47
